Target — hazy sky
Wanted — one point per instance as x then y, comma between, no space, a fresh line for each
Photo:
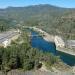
16,3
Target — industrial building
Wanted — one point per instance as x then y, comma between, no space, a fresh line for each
71,43
8,36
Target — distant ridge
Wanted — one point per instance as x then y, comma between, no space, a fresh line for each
29,10
51,18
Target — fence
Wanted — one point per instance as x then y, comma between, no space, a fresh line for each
14,72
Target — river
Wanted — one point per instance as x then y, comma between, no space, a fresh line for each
40,43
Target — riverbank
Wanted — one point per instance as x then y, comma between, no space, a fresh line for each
50,38
41,44
66,50
45,35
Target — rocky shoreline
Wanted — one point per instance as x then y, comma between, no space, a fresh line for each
50,38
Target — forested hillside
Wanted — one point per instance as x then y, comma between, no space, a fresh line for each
24,13
52,19
22,56
6,24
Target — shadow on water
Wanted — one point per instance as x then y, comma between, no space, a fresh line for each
68,59
39,42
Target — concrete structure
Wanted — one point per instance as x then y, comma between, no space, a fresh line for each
7,37
73,69
71,43
59,41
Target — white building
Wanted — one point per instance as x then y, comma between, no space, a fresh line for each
59,41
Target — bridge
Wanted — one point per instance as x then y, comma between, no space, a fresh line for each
35,35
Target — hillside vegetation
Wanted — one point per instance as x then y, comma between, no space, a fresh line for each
54,20
6,24
23,56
